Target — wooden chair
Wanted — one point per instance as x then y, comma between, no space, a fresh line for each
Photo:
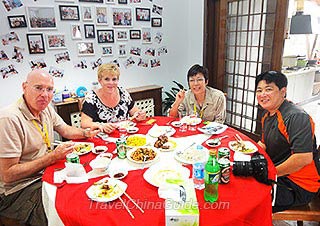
309,212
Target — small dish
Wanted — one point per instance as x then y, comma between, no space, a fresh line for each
176,123
100,164
215,142
103,136
132,129
99,149
119,173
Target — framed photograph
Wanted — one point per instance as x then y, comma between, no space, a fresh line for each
86,13
89,31
156,22
135,1
107,50
85,48
110,1
56,41
76,32
122,17
122,1
69,12
35,43
146,35
17,21
92,1
105,36
41,17
135,34
122,35
11,4
101,14
142,14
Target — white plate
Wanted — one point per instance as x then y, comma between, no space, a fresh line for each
171,143
126,124
99,149
249,147
213,128
192,155
82,148
157,131
158,173
191,120
213,142
117,189
131,151
132,129
136,140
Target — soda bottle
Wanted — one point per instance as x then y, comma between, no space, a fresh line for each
211,178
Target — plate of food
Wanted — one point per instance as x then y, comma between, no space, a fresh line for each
142,155
126,124
245,147
157,131
136,140
215,142
176,123
192,154
159,173
165,143
81,148
213,128
106,190
191,120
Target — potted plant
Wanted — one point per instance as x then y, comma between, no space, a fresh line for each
171,96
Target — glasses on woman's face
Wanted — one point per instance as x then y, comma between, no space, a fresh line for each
198,80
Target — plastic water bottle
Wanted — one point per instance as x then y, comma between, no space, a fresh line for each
211,178
198,172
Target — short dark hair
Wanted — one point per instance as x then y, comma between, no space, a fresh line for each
195,69
273,76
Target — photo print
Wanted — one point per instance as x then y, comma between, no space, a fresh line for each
11,4
76,31
110,1
17,54
150,51
56,41
122,1
142,14
158,37
135,34
146,35
37,64
89,31
86,13
135,51
122,50
7,71
85,48
40,18
122,35
122,17
162,50
155,62
35,43
62,57
135,1
115,61
128,62
3,55
157,9
81,64
69,12
105,36
96,63
9,38
17,21
156,22
101,15
107,51
56,72
143,62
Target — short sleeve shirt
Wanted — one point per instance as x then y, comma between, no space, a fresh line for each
94,108
20,138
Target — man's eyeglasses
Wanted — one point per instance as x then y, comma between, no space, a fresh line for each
40,89
199,80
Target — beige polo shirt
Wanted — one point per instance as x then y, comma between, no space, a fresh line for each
19,137
213,108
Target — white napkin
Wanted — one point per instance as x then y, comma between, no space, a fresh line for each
238,156
73,173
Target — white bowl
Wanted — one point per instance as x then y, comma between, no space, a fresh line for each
118,173
100,164
99,149
176,123
215,142
132,129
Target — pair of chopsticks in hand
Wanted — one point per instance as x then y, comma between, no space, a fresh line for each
126,207
239,140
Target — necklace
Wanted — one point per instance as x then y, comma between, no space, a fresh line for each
44,134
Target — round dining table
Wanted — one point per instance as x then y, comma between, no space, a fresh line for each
242,201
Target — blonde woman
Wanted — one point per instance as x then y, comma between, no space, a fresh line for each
108,104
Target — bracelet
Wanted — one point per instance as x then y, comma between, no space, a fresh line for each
84,133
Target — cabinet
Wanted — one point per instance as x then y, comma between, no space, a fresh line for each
148,98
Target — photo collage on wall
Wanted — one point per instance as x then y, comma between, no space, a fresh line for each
128,32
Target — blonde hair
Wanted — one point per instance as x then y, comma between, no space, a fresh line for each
111,69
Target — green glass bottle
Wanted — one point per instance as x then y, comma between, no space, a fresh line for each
211,178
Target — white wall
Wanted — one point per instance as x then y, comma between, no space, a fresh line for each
182,26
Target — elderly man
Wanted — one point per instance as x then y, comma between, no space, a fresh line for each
26,133
288,138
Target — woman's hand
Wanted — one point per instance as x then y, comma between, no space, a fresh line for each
109,127
140,115
180,96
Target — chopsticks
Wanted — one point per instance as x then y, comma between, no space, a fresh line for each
125,193
239,140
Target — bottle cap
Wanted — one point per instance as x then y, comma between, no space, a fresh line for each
213,152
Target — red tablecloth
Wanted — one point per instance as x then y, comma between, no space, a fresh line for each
243,201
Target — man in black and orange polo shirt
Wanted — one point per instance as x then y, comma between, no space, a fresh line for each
288,138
